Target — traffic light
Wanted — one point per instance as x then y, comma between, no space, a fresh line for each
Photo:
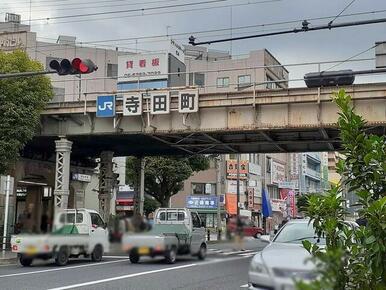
75,67
329,78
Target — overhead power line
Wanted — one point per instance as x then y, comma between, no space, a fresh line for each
344,9
142,12
129,10
305,28
50,7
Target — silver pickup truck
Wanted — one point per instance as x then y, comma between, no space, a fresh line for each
85,235
176,231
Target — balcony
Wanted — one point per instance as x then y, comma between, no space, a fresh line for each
312,174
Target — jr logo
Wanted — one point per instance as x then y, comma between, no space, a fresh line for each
105,106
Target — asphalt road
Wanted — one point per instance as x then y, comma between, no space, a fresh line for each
225,268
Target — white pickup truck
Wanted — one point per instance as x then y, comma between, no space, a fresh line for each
176,231
86,234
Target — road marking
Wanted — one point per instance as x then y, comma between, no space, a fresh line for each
214,261
62,268
122,277
244,286
116,257
237,252
248,254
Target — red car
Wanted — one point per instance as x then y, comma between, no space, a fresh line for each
249,229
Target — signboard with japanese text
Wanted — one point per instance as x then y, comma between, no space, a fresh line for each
105,106
250,198
232,169
287,184
81,177
188,101
279,205
232,186
208,188
160,102
277,172
132,104
142,66
204,202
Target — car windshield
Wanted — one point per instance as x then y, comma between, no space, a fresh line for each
297,232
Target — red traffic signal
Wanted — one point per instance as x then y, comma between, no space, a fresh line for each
76,66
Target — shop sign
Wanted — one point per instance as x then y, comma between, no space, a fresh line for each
142,67
232,169
250,198
208,188
277,172
254,169
204,202
81,177
278,205
287,184
232,187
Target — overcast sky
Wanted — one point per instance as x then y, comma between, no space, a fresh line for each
337,44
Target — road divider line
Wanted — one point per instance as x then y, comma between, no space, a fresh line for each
62,268
248,254
122,277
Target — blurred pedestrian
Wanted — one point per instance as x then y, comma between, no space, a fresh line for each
240,234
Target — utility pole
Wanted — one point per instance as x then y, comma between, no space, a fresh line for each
238,184
7,193
142,187
219,160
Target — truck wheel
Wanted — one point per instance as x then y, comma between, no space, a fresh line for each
171,256
97,253
202,253
257,236
61,258
134,257
25,261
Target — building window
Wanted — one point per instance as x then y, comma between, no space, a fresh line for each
223,82
204,188
197,79
270,83
268,163
244,80
112,70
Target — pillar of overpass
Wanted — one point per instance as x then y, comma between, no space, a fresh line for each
62,174
106,183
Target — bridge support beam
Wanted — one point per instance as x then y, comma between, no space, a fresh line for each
106,179
62,174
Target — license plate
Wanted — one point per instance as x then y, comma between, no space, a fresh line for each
143,251
31,250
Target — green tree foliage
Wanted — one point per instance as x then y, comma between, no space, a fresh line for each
353,258
164,175
21,101
150,205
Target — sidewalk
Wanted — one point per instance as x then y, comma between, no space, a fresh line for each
7,258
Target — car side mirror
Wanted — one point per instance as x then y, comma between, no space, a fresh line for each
105,225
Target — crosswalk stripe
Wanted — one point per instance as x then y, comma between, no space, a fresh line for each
248,254
237,252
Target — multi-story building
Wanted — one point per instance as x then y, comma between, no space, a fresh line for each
217,71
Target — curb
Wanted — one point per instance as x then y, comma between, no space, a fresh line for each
8,261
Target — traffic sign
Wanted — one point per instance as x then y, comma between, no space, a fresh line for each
105,106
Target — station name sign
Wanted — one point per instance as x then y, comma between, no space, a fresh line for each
133,103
